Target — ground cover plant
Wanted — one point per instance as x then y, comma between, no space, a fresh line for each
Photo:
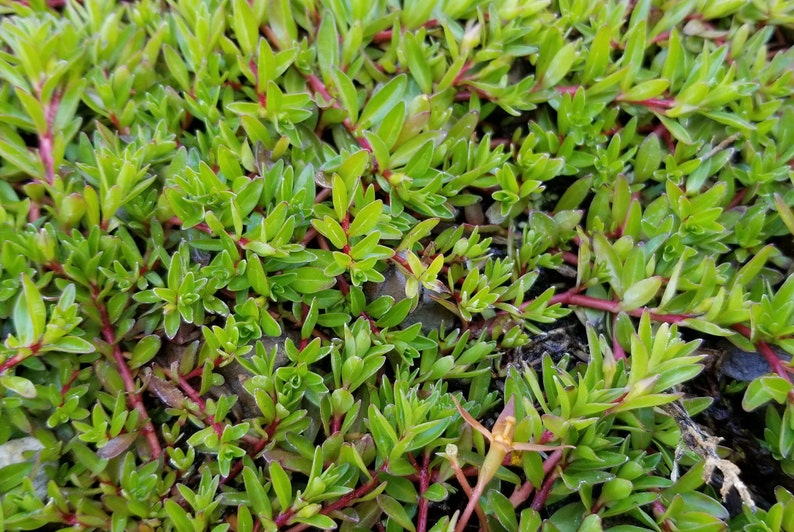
431,265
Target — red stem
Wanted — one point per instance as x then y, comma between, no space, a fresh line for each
336,423
18,358
309,236
424,484
402,262
133,397
567,89
320,197
545,489
665,35
572,297
372,325
386,35
46,138
345,227
522,494
654,103
304,314
67,386
347,499
196,398
737,199
344,287
774,361
570,257
319,87
617,349
198,372
256,449
658,511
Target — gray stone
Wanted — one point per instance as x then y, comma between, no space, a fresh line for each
428,312
235,376
747,366
26,450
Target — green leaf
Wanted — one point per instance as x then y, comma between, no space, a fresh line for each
30,314
648,158
330,229
592,523
635,49
257,496
390,126
383,100
382,432
171,323
353,168
416,233
270,327
379,149
675,128
310,320
785,212
721,9
176,66
178,516
559,66
246,26
245,521
18,385
396,511
317,521
340,197
145,350
752,268
417,63
281,485
21,157
265,67
606,255
707,327
401,489
74,344
646,90
366,219
503,509
731,119
346,93
327,45
34,109
282,22
12,476
310,280
531,521
598,56
765,389
645,401
640,293
368,248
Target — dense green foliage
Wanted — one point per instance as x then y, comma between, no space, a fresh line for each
275,264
